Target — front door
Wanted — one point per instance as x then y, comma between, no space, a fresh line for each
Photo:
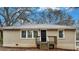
43,35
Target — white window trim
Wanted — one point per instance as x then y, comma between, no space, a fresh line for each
27,34
21,34
63,34
37,31
32,34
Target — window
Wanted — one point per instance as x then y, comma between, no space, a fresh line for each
23,35
29,34
61,34
77,43
35,34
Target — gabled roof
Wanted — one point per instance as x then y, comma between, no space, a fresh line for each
39,26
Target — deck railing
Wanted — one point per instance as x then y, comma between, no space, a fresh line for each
77,42
48,43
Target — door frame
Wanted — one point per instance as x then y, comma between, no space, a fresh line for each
46,35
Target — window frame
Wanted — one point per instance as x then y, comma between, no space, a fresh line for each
21,34
27,34
34,33
63,34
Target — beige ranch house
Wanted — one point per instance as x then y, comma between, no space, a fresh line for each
40,36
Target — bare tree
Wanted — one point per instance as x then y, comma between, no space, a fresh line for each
69,21
61,17
10,15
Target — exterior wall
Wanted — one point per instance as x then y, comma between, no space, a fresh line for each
69,40
12,39
67,43
52,32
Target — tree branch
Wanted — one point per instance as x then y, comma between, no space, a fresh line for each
17,18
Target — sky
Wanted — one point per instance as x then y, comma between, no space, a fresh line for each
73,12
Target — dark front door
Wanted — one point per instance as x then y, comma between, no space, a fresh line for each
43,35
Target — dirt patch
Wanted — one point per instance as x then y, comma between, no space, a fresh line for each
29,49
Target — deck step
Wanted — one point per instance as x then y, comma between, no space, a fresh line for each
44,45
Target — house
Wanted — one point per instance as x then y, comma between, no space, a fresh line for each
77,39
33,35
1,33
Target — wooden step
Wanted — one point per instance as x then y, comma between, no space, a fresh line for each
44,45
